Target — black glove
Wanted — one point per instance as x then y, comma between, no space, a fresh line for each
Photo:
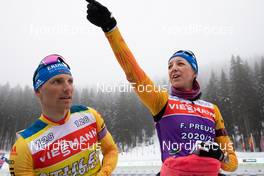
209,149
100,16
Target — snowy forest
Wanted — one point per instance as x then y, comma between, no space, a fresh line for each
238,91
240,98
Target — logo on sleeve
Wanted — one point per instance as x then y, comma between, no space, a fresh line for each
13,151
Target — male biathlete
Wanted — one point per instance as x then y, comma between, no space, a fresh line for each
65,139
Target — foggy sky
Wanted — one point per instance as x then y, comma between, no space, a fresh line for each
213,30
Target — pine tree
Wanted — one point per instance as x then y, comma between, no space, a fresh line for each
244,99
4,94
225,103
212,89
261,90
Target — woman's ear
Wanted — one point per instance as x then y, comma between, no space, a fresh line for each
37,93
195,76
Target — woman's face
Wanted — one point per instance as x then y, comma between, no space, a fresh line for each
181,74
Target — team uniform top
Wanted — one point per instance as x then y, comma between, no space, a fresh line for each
179,122
67,147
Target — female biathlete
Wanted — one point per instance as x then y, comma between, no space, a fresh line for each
191,132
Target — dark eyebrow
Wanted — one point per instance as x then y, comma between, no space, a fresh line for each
57,79
179,60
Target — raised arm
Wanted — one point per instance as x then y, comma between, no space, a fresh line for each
153,97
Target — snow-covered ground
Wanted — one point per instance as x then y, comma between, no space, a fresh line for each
138,162
145,160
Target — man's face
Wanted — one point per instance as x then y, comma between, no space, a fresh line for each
56,93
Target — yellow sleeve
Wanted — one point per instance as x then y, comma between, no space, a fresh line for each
108,147
21,159
225,143
152,96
